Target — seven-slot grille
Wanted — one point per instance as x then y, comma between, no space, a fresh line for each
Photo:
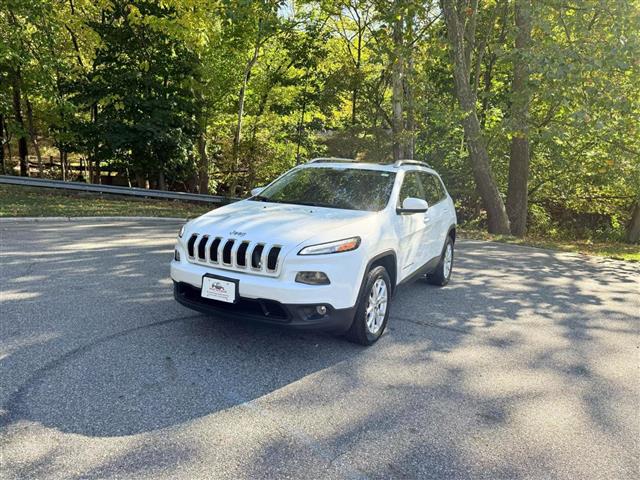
234,253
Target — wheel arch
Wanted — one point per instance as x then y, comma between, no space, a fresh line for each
389,261
452,233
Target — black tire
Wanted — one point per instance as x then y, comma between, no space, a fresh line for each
440,277
359,332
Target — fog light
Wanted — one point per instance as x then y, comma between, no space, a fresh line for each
176,255
312,278
321,309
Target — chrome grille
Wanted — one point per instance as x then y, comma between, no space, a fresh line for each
234,254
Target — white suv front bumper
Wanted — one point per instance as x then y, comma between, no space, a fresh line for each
345,272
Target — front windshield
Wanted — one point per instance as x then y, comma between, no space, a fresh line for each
348,188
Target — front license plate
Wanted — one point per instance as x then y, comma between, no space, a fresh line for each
216,288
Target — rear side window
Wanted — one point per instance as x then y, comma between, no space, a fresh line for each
411,186
434,191
441,190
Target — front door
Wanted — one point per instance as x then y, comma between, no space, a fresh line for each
413,227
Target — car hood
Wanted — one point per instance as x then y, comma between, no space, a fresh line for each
278,223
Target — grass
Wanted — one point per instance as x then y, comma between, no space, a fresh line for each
615,250
18,201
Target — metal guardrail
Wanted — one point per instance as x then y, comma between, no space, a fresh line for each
114,190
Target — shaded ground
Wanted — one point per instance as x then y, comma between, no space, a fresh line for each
525,366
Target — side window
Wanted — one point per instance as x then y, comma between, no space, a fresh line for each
411,186
430,190
441,190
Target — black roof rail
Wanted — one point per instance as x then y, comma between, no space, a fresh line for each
332,160
399,163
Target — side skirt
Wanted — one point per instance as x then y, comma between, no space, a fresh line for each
425,269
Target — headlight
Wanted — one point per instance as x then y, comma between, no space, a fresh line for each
181,232
338,246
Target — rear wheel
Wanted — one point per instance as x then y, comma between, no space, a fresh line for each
442,274
372,313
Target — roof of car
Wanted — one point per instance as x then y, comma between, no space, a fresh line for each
350,163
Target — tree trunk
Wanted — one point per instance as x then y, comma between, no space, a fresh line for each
203,164
97,173
140,180
63,166
23,151
34,136
517,193
93,161
262,105
3,165
162,183
241,97
67,166
301,124
408,88
497,219
201,142
358,65
633,230
396,83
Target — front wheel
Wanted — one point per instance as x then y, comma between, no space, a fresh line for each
442,274
372,313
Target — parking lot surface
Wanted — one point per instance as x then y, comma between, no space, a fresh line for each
526,366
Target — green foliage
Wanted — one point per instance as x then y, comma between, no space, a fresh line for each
140,88
151,89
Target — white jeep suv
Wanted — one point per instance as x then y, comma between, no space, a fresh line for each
324,246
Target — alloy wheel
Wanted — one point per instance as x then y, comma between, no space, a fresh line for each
377,306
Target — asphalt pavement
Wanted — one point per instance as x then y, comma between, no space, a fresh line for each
526,366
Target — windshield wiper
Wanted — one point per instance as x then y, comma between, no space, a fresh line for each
260,198
314,204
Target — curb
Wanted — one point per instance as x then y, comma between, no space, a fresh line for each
88,219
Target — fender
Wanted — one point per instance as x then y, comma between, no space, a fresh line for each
373,260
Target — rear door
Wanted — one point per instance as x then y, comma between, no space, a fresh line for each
438,214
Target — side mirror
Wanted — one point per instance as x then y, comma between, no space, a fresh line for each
413,205
256,191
